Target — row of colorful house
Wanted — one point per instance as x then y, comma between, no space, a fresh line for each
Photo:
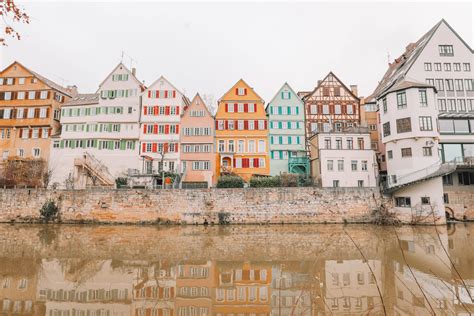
419,118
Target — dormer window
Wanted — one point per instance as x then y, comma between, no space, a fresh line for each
446,50
285,95
241,91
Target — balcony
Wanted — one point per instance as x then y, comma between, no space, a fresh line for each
299,165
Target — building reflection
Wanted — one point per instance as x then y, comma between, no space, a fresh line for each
337,280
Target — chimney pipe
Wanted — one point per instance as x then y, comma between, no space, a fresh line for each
73,90
134,71
354,89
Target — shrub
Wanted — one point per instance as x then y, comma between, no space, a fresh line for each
230,182
383,216
289,180
265,182
49,210
121,182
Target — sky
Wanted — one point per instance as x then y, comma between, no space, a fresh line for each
206,47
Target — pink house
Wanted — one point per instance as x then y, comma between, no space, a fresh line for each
197,145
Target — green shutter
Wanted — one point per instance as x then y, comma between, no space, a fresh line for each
122,144
84,143
62,144
279,110
272,154
271,140
110,128
271,109
297,110
280,125
110,144
87,128
133,145
94,143
280,140
288,110
289,140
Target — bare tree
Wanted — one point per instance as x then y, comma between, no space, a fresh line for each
11,13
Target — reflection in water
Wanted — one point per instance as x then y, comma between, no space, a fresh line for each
235,270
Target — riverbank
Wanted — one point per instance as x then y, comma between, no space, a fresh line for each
212,206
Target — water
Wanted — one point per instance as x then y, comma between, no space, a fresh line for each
236,270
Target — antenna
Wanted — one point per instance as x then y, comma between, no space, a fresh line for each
132,60
388,57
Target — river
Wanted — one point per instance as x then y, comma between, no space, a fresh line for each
74,270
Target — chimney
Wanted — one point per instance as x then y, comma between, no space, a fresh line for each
134,71
73,90
354,89
319,82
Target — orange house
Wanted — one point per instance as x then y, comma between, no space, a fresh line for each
242,133
29,112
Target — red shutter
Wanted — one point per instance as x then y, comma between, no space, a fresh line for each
227,107
174,93
245,91
165,147
265,124
144,110
144,128
245,162
167,129
40,132
255,162
47,113
149,93
155,110
30,133
155,129
172,293
166,93
37,113
157,93
217,125
167,110
237,91
246,108
246,124
255,124
21,132
49,131
226,125
177,129
176,147
143,147
177,110
154,147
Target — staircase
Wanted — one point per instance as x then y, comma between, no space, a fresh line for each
89,167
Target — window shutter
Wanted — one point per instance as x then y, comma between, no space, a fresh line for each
40,132
226,125
177,129
167,129
21,133
165,147
174,93
47,113
143,147
37,113
177,110
265,124
144,110
237,91
167,110
217,125
246,124
227,107
155,129
255,162
289,140
111,145
144,128
30,133
61,144
297,110
272,154
154,147
155,110
246,107
149,93
255,125
271,142
271,109
49,131
176,147
122,144
245,91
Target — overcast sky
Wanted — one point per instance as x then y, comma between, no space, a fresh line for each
207,47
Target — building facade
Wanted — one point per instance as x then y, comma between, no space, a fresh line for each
343,159
100,132
197,145
287,133
242,133
331,106
29,112
162,108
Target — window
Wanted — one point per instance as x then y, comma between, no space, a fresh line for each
452,105
241,91
446,50
327,143
402,202
21,80
325,108
221,146
437,66
406,152
384,104
469,84
43,112
354,165
425,123
404,125
457,66
340,165
425,200
7,96
31,95
360,183
449,85
350,143
338,143
447,66
5,155
386,129
43,95
427,152
401,100
390,154
428,67
261,146
330,165
364,165
439,85
466,178
423,98
467,66
335,183
448,179
36,152
20,95
442,104
251,146
458,84
285,95
337,109
20,152
349,109
461,105
314,109
430,82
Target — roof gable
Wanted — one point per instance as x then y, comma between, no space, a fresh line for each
231,93
130,74
197,103
324,82
153,86
284,87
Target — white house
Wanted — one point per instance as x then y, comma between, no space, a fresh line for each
343,158
100,133
162,107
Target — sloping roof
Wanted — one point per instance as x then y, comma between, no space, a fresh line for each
245,83
185,98
399,68
45,80
142,86
405,84
321,82
198,97
279,91
83,99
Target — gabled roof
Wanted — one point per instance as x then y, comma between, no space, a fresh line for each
405,84
198,97
279,91
129,73
399,68
321,83
185,98
45,80
245,83
83,99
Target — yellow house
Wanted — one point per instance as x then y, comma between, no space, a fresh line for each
242,133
